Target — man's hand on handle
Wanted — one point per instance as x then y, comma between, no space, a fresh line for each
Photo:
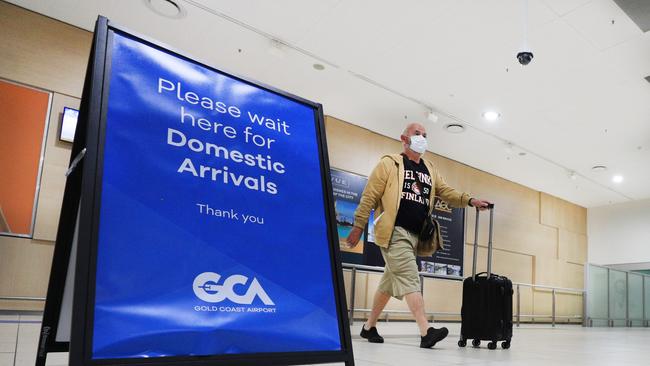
354,237
480,204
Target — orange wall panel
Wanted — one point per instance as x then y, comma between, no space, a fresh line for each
22,125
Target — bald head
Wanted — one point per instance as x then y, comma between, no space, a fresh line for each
414,129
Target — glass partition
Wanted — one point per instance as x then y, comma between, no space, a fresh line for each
646,283
597,295
617,298
635,299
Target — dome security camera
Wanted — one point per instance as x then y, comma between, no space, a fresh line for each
525,57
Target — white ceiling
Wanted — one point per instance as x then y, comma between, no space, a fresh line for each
583,101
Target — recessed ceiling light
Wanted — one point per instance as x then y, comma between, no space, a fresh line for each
166,8
276,48
319,67
522,153
491,115
598,168
509,148
573,175
431,116
454,128
617,178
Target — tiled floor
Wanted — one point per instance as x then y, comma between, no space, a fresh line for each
532,345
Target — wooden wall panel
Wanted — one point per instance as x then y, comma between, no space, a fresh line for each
24,270
455,174
562,214
568,305
510,198
344,148
557,272
548,271
41,51
49,203
513,234
572,247
443,296
518,267
361,290
565,305
573,275
542,304
393,304
57,158
526,294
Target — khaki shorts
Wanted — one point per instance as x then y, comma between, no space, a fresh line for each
401,271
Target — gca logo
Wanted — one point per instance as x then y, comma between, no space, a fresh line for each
206,287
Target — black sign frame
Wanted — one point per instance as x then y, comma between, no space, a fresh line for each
82,195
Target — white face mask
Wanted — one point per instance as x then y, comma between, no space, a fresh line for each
418,144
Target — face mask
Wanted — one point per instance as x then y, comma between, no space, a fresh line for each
418,144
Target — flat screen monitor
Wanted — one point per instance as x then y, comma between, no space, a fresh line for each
68,124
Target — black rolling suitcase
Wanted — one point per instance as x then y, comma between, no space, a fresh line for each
487,302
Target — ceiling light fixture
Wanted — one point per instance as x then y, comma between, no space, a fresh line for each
491,115
509,148
455,128
573,175
598,168
167,8
431,116
318,67
617,178
276,48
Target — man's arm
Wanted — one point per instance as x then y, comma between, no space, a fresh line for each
369,199
371,194
453,197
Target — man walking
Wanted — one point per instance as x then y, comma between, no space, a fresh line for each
401,189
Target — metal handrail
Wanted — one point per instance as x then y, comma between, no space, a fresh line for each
354,268
376,269
21,298
565,289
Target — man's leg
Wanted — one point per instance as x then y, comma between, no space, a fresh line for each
429,336
416,305
369,330
378,305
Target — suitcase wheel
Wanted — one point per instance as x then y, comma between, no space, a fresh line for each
505,344
462,343
492,345
476,343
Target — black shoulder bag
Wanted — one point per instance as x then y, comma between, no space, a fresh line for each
428,234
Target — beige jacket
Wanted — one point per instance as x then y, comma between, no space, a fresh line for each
383,193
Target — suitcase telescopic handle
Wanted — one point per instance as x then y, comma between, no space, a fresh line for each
476,227
489,261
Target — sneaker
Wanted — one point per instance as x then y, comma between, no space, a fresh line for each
371,335
433,336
